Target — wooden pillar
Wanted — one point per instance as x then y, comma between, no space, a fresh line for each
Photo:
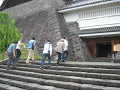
94,48
112,43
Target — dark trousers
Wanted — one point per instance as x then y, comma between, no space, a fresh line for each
43,59
59,57
10,55
18,53
66,56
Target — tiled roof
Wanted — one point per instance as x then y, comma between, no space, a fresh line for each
100,30
81,3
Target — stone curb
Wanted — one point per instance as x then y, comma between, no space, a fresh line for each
4,61
8,87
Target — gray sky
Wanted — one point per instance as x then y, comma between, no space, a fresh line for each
1,1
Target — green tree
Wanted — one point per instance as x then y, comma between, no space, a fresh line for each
8,32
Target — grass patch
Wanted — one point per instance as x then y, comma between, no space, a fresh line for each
24,54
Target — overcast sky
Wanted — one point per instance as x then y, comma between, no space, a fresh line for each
1,1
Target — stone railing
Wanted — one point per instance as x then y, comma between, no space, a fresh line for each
3,56
3,60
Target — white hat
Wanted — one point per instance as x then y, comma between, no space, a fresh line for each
62,40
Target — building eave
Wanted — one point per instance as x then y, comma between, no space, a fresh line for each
94,35
86,6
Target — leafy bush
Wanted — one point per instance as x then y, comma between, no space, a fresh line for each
8,32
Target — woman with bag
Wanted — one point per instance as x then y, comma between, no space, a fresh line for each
59,50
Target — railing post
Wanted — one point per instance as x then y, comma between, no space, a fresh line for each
3,56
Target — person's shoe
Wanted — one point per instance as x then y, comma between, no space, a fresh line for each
8,68
56,65
48,65
41,67
17,59
60,61
13,65
33,60
65,61
28,63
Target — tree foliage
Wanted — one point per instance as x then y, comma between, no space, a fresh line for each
8,32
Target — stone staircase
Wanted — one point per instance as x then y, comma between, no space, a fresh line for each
67,76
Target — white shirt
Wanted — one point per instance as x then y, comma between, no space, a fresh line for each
18,45
47,47
66,44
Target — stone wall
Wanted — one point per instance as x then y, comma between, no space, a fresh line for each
79,46
117,57
40,19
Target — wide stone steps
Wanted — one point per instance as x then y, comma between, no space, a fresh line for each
62,70
80,69
25,85
68,85
67,76
69,73
81,80
83,64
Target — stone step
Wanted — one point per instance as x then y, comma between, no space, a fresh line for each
67,73
24,85
80,69
81,80
60,84
8,87
82,64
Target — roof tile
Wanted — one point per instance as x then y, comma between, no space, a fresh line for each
81,3
100,30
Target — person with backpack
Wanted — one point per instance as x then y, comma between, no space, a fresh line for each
31,46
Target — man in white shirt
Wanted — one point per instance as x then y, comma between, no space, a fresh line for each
65,50
47,52
18,49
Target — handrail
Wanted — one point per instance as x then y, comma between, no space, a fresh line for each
2,53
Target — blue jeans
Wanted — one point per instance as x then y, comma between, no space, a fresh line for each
18,53
67,54
43,59
10,55
59,57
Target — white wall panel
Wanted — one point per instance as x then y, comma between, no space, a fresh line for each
95,21
88,22
95,18
118,18
104,20
71,17
112,19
